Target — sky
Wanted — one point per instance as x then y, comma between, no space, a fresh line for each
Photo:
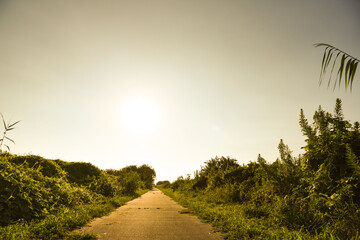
168,83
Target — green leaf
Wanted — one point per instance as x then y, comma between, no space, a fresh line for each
332,69
328,59
346,67
322,64
350,73
347,71
353,74
340,70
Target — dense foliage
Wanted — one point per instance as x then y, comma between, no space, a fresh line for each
34,188
315,194
132,177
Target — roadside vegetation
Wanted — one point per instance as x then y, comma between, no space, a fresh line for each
47,199
313,196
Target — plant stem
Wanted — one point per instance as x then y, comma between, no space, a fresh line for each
2,140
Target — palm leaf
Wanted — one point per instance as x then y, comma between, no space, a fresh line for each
347,67
328,59
332,69
347,72
341,68
353,74
322,64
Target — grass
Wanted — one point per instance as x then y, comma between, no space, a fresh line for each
61,225
233,221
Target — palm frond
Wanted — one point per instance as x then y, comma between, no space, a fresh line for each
347,66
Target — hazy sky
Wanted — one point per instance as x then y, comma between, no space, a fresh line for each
168,83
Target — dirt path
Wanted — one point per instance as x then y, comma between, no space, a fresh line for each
152,216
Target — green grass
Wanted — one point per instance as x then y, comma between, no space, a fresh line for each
61,225
233,221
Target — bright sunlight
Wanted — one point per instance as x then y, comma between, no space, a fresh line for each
140,115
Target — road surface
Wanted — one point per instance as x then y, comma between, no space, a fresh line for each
152,216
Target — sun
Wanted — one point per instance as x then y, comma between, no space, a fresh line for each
140,114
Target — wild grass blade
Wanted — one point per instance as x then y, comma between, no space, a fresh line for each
13,124
3,120
10,140
7,147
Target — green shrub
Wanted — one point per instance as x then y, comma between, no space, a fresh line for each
105,185
25,193
129,182
44,199
315,195
48,168
81,173
165,183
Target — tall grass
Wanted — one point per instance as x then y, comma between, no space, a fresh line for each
235,222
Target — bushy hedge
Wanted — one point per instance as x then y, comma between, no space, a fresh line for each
317,192
48,168
25,193
32,187
133,176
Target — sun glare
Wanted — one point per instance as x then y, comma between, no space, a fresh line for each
140,115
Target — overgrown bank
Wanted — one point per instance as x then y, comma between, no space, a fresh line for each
312,196
46,199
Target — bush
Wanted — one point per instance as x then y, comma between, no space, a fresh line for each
81,173
165,183
41,198
25,193
105,185
48,168
129,182
22,193
316,194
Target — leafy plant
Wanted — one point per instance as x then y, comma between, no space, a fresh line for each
7,127
46,199
129,182
313,196
347,67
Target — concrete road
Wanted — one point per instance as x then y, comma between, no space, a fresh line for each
152,216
